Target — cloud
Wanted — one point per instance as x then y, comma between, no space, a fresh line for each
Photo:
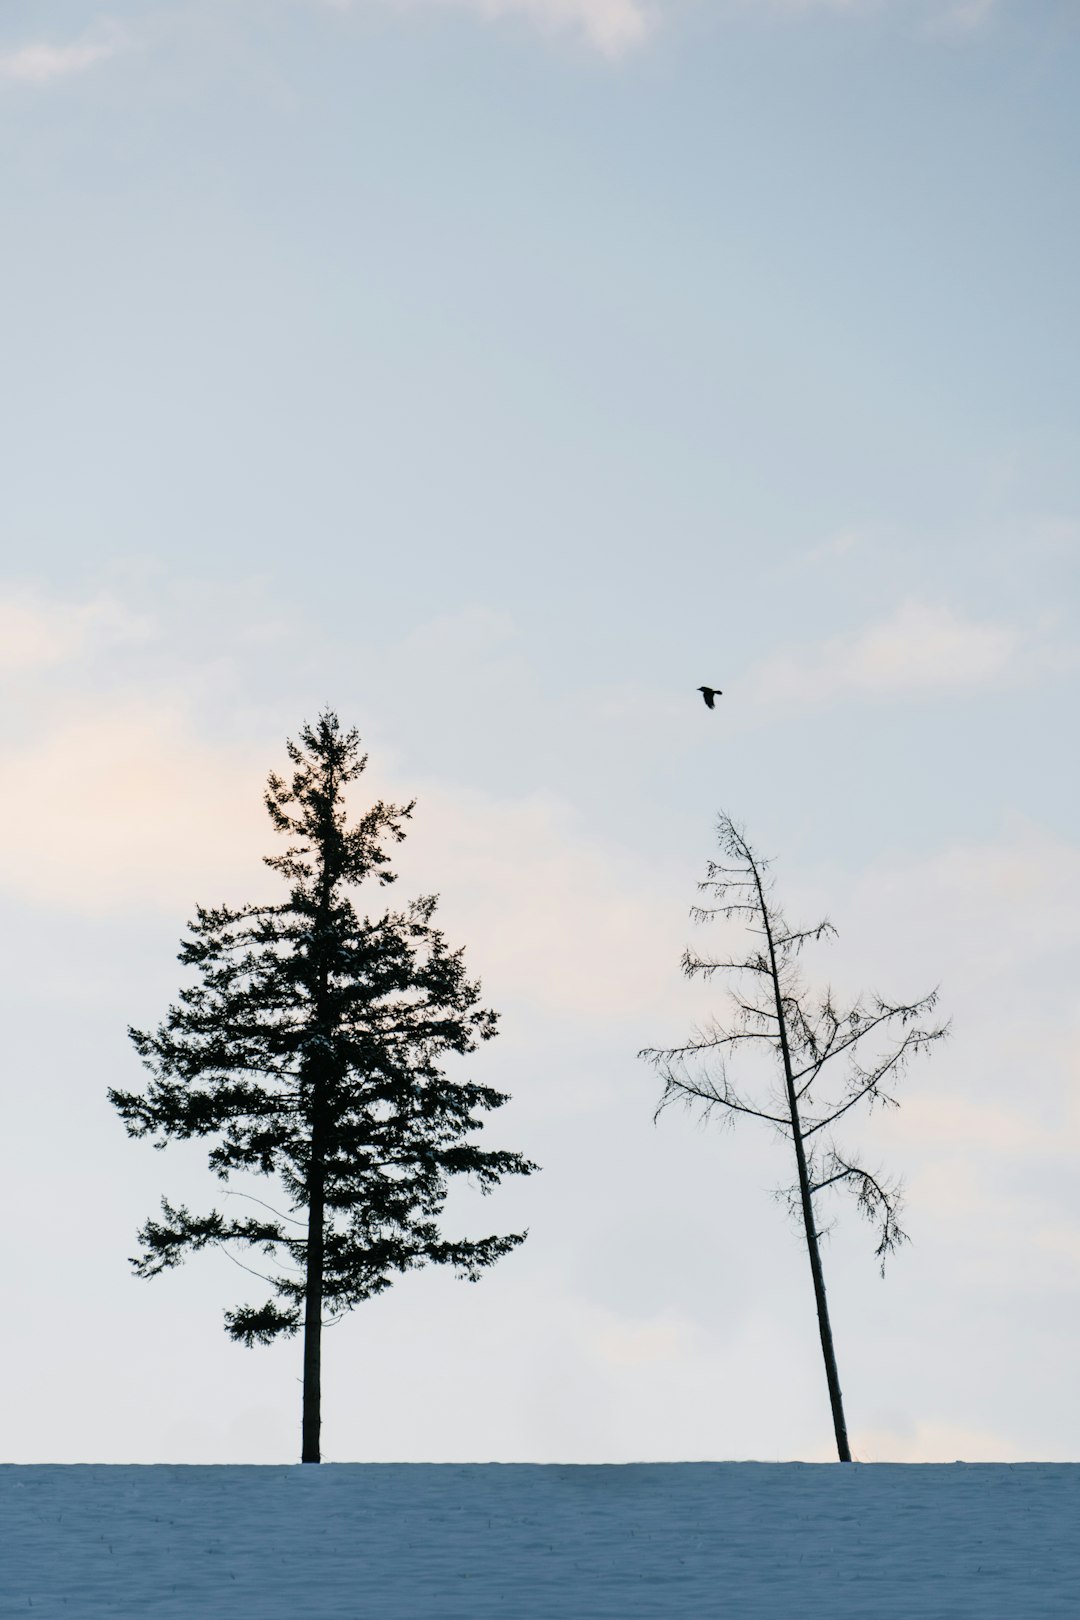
663,1339
125,805
923,647
994,906
37,631
963,18
940,16
837,545
1060,1240
958,1122
616,27
114,797
557,919
612,27
985,1130
40,63
800,7
931,1442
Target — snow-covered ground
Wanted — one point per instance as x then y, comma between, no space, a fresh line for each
390,1541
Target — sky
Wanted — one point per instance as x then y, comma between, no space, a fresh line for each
497,373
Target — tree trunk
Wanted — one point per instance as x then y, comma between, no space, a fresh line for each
836,1400
316,1239
806,1199
313,1304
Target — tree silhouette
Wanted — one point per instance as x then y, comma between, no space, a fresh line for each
803,1033
311,1049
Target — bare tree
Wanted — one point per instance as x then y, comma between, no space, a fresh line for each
801,1032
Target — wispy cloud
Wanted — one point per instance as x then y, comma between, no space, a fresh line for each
935,16
124,804
41,63
923,646
140,811
964,17
114,797
612,27
801,7
38,631
617,27
933,1441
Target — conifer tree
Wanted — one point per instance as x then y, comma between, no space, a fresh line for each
311,1049
824,1060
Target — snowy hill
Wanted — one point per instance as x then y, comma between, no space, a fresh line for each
403,1541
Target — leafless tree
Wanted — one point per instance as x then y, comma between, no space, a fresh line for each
824,1061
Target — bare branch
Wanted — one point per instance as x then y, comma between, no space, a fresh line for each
734,908
863,1026
692,963
796,938
678,1088
880,1202
867,1083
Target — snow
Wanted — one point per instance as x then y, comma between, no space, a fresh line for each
466,1542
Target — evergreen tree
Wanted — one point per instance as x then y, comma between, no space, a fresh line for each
311,1049
825,1060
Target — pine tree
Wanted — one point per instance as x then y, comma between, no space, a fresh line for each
805,1033
311,1049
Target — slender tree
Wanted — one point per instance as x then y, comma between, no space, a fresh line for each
311,1049
824,1061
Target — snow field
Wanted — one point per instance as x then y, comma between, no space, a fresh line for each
467,1542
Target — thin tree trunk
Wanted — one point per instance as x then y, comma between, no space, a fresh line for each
316,1239
836,1400
313,1305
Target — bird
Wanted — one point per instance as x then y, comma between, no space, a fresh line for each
710,694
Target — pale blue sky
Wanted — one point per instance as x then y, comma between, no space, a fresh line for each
498,377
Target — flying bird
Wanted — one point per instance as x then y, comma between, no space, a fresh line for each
710,694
